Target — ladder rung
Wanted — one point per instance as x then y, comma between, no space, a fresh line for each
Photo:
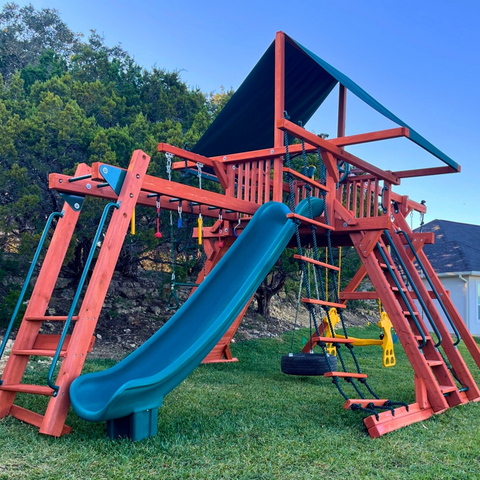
46,318
420,339
384,265
345,375
408,314
332,340
32,418
37,352
316,262
305,179
364,402
309,221
358,295
323,302
447,388
435,363
395,289
25,388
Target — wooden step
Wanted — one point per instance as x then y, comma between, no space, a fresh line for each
49,318
316,262
323,302
364,402
420,339
358,295
50,342
25,388
408,314
309,221
345,375
414,295
445,389
32,418
435,363
332,340
306,179
385,266
36,352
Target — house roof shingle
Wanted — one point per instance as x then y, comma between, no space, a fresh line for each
456,248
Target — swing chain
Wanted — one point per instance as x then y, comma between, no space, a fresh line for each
199,170
169,165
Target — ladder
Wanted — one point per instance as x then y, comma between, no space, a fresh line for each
441,380
73,348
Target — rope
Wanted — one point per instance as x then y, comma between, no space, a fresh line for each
296,313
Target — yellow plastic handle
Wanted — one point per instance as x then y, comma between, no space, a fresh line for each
132,223
200,223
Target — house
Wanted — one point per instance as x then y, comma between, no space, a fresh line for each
455,256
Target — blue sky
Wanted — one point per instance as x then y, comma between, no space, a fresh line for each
421,59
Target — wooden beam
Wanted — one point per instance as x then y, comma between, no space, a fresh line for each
269,153
331,165
419,239
185,154
370,137
279,108
411,205
388,423
60,183
372,223
419,172
192,194
342,110
339,153
358,295
220,172
344,214
423,172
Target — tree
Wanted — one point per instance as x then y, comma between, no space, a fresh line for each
25,34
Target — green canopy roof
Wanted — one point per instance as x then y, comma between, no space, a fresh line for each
246,122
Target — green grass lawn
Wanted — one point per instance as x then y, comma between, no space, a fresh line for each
249,421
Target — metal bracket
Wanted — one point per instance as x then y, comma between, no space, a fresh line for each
75,201
114,176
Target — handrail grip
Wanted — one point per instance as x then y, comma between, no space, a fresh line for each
415,289
397,283
434,290
27,280
96,239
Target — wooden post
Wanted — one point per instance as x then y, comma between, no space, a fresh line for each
278,114
342,110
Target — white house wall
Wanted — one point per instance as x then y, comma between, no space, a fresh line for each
460,292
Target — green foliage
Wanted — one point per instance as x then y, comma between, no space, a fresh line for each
66,101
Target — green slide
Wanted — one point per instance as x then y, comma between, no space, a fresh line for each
128,395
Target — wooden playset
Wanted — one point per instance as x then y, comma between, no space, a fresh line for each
248,150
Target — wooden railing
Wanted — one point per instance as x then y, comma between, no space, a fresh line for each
250,181
363,196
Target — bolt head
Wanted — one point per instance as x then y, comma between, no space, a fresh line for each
104,170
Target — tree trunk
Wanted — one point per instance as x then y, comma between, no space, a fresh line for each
273,283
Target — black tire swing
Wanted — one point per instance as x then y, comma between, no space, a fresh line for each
306,364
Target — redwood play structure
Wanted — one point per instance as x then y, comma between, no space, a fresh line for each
249,150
